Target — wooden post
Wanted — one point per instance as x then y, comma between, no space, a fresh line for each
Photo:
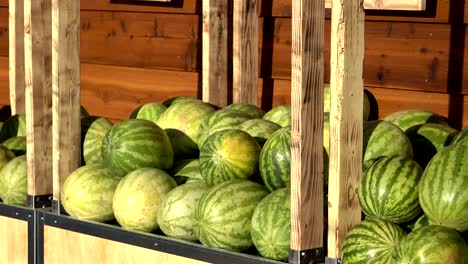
308,19
215,52
245,52
347,56
66,91
38,67
16,55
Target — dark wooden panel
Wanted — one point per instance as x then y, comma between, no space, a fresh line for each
466,12
3,31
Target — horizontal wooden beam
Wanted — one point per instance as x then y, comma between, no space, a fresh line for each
410,5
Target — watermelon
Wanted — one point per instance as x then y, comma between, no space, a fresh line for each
429,138
382,138
228,155
179,99
14,181
187,171
327,102
87,192
372,241
280,115
249,109
407,119
176,216
388,189
461,138
181,122
260,129
92,143
443,189
16,144
271,224
326,131
136,143
150,112
138,197
422,221
14,126
5,156
220,120
224,214
431,244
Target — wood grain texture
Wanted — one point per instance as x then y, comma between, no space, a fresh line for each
346,85
38,69
215,51
307,125
63,246
245,52
66,125
413,5
16,55
14,242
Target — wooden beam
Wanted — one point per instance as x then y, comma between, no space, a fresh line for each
409,5
66,90
245,50
215,52
38,67
16,55
346,80
307,78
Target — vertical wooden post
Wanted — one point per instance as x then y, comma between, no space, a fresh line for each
215,51
347,56
66,91
308,19
245,52
16,55
38,67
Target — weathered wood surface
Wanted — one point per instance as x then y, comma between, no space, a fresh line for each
16,55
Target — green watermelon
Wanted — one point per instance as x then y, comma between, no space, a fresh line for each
372,241
136,143
87,192
179,99
16,144
461,138
139,196
224,214
431,244
407,119
422,221
388,189
187,170
443,189
92,143
280,115
429,138
227,155
271,224
150,112
181,122
326,131
260,129
14,181
176,217
250,109
220,120
5,156
13,126
327,102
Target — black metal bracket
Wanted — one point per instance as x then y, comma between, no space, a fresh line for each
332,261
310,256
39,201
58,208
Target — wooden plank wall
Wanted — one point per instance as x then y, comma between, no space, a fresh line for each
135,54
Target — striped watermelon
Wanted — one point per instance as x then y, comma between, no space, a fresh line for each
443,189
422,221
176,217
92,143
14,181
260,129
187,171
136,143
224,214
406,119
461,138
326,131
372,241
139,196
14,126
228,155
179,99
429,138
431,245
271,225
220,120
249,109
150,112
280,115
5,156
388,189
87,192
16,144
181,122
